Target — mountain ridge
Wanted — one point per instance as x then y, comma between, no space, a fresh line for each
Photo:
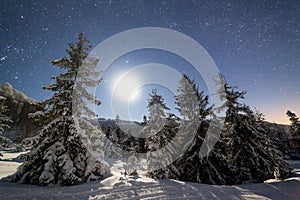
19,106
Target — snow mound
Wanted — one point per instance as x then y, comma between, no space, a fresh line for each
110,182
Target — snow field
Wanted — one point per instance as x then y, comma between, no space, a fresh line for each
118,186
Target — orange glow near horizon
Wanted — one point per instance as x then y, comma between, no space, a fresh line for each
278,114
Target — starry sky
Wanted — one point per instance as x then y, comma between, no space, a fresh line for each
255,44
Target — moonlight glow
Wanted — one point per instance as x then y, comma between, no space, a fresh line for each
126,88
135,95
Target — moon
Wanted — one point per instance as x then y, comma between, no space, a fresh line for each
126,88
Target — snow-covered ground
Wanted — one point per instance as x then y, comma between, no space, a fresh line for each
7,166
119,187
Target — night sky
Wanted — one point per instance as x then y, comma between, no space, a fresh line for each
255,44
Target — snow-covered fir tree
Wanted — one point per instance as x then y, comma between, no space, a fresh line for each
191,103
63,153
156,108
161,155
132,161
157,118
117,119
111,147
194,108
158,135
294,138
295,123
259,116
145,121
71,96
248,152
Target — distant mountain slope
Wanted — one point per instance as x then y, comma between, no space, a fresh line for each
281,137
19,106
6,90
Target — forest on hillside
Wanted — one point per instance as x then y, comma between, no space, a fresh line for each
196,146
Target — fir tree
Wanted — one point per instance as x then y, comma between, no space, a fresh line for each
158,135
70,98
132,161
294,138
193,166
259,116
63,152
251,156
191,103
157,117
117,119
157,108
295,123
145,121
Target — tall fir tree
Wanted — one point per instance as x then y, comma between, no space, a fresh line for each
295,123
294,137
159,136
194,108
63,153
71,96
251,157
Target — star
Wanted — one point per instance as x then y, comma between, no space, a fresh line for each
3,58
